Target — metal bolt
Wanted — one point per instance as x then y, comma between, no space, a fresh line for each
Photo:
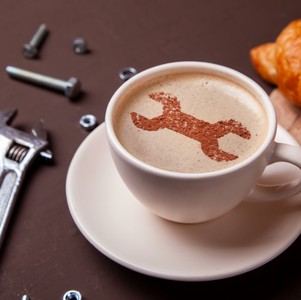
88,122
72,295
25,297
71,87
127,73
80,46
30,50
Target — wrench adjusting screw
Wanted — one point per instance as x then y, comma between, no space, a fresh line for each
72,295
80,46
71,87
127,73
30,50
88,122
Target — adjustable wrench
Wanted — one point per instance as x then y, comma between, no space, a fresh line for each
17,151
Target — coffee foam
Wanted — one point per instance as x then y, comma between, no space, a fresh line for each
205,97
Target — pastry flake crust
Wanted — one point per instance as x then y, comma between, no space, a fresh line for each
280,62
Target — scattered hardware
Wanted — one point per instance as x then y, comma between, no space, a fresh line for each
30,50
80,46
71,87
88,122
17,149
127,73
72,295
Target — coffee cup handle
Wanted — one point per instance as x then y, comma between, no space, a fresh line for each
281,153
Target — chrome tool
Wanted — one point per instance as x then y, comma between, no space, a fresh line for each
17,151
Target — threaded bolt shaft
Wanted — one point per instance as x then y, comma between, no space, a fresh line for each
30,50
71,87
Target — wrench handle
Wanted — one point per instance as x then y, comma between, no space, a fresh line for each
8,194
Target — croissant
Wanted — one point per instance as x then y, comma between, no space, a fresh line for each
280,62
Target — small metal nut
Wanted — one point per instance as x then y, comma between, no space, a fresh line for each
80,46
88,122
127,73
72,295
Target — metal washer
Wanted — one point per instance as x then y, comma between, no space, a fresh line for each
127,73
72,295
88,122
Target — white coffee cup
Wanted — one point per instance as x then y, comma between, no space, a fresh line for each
199,197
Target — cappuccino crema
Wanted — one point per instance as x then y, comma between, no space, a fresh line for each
190,123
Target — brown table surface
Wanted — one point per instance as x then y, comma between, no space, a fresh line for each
44,254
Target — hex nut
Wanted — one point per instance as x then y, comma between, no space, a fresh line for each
80,46
127,73
72,295
88,122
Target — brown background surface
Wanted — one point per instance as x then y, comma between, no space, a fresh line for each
44,254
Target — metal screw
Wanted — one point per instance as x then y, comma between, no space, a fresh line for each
72,295
88,122
30,50
25,297
71,87
127,73
80,46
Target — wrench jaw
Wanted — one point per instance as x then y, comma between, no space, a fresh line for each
7,115
20,147
17,151
39,130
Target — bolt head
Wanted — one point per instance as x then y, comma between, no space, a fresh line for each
73,87
30,51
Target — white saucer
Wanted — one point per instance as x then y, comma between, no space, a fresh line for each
122,229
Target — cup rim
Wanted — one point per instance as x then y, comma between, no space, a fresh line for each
188,66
